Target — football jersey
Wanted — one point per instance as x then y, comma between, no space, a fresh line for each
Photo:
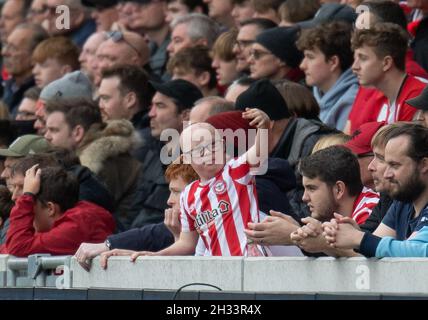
364,204
220,209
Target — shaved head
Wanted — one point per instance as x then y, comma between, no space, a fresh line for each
197,134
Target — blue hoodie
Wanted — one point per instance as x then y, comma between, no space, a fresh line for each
336,103
416,246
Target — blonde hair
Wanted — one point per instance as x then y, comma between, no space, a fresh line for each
331,140
223,47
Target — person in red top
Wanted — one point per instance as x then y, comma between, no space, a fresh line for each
44,220
370,101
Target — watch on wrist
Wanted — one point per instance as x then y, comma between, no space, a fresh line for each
107,244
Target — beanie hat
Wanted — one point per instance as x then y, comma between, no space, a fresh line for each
231,120
72,85
184,92
263,95
281,41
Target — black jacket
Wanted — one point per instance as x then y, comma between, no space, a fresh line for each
152,191
153,237
297,142
273,186
420,44
378,213
90,188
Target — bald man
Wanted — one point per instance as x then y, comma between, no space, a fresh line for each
128,48
87,56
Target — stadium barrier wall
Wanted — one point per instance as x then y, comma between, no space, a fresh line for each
287,275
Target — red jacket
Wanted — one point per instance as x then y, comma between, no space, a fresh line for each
86,222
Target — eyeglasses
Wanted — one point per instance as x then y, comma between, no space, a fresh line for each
117,36
203,150
242,44
257,54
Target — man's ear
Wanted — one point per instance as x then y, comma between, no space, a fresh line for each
53,209
66,69
130,100
79,17
78,133
185,114
387,63
202,42
424,166
204,78
339,190
334,62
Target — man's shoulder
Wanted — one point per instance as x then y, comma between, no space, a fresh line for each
413,85
84,207
401,207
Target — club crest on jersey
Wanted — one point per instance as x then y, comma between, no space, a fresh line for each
220,187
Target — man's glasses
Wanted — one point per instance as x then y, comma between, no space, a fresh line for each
117,36
257,54
242,44
202,151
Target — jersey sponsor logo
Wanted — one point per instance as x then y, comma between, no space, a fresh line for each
220,187
206,217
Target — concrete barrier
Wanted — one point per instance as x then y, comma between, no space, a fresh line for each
329,275
3,270
162,273
359,277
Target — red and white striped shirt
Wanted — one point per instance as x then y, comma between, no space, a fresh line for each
364,205
220,209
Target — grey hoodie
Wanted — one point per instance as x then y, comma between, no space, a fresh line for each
336,103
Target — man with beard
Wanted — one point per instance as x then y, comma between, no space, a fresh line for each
406,156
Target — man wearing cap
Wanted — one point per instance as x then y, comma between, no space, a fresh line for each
421,103
72,85
274,55
247,34
171,106
104,13
290,138
22,146
330,12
